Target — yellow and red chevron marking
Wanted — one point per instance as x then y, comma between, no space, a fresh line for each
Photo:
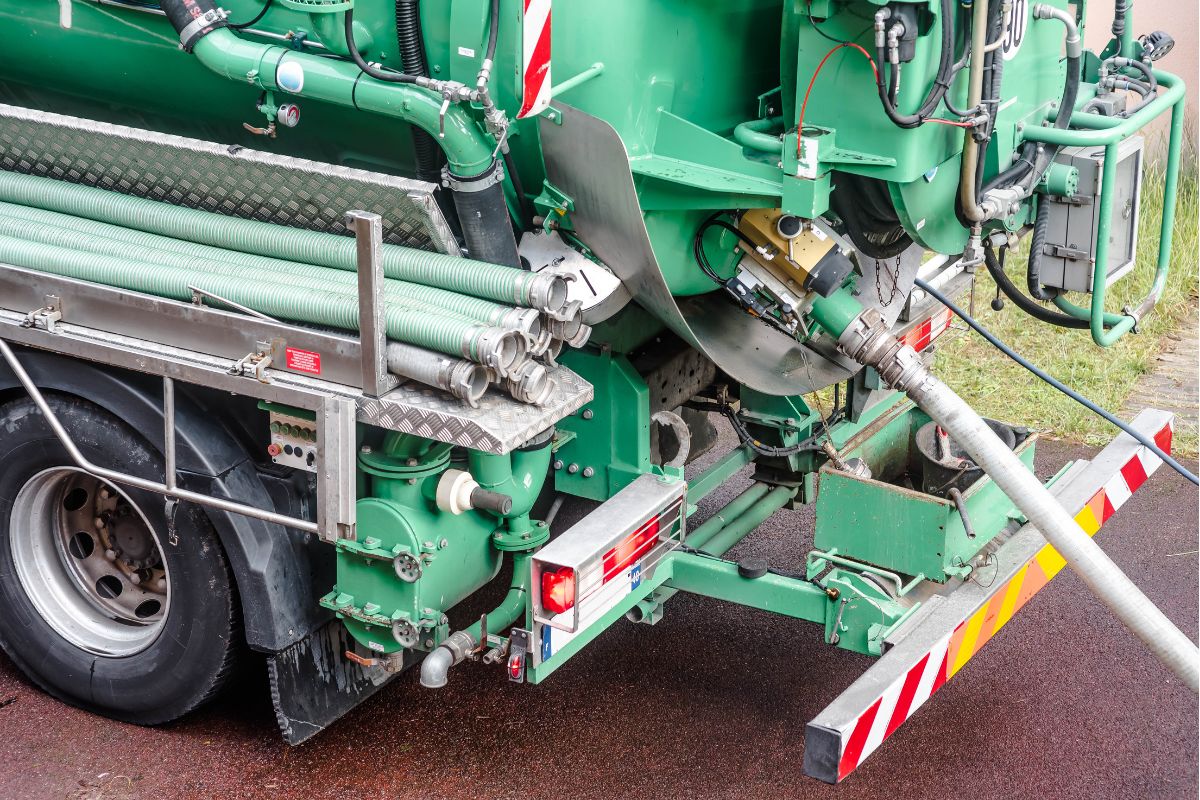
900,700
923,334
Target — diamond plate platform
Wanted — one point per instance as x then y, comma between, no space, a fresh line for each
225,179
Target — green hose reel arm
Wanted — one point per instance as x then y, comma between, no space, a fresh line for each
469,151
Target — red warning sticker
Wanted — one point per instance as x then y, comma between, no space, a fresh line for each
303,361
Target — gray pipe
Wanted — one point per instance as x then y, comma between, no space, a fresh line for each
868,341
463,379
970,156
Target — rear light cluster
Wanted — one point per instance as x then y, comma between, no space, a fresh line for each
558,590
631,549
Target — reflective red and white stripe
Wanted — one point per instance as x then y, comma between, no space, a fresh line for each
901,699
535,69
922,335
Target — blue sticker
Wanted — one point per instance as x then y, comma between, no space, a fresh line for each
546,652
635,576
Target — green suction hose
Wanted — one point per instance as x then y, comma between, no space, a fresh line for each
77,233
459,275
490,346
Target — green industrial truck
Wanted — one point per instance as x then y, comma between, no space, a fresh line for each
321,319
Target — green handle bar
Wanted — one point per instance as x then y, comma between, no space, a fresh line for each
1092,130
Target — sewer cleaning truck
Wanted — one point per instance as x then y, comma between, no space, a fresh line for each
314,315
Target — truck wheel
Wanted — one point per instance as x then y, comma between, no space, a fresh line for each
102,604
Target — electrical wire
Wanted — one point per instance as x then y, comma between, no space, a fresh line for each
261,13
1068,391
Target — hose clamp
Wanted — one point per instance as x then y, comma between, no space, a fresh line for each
196,28
477,183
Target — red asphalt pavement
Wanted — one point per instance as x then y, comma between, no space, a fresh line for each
711,702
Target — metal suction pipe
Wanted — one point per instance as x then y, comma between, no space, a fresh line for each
463,379
868,341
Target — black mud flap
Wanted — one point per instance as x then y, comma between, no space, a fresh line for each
313,683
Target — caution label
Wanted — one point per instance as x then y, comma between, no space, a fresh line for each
303,361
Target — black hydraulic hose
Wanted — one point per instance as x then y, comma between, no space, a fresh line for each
426,151
1068,391
262,12
1041,313
1036,245
886,87
493,30
377,74
527,212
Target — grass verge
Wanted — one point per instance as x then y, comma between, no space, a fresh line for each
998,388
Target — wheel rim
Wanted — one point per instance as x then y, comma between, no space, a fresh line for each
89,562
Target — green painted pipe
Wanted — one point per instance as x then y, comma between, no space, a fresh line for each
753,135
468,149
79,233
512,607
756,515
485,345
734,509
836,312
463,276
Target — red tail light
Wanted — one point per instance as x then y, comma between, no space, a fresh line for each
634,546
558,590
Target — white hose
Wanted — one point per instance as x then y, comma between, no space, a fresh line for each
868,341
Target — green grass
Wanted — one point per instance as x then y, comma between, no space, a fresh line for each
998,388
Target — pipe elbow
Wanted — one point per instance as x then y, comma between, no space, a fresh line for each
1074,44
436,668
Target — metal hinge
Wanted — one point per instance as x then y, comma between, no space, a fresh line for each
254,365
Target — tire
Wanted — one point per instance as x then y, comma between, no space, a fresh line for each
140,625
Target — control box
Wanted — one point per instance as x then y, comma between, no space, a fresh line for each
293,441
1069,257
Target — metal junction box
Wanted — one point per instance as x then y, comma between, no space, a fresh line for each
1068,261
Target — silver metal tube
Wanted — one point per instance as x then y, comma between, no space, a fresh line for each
1074,44
169,432
465,380
970,156
131,480
868,341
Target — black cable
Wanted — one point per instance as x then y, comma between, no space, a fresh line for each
493,30
527,211
1038,312
379,75
762,448
1068,391
262,12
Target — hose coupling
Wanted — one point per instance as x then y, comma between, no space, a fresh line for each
868,340
548,293
499,348
1074,43
530,383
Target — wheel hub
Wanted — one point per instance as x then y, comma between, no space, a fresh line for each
89,562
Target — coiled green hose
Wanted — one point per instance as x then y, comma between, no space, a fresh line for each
459,275
447,335
78,233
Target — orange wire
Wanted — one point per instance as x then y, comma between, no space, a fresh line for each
874,69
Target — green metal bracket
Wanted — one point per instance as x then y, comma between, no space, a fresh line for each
1109,132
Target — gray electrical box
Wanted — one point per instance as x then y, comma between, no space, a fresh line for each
1068,261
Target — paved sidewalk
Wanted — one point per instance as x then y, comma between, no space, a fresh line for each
1174,383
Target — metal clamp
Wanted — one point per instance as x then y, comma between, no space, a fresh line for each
210,17
46,317
254,365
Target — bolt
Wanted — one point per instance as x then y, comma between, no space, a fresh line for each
429,642
573,469
588,413
135,579
105,493
366,448
588,472
443,544
558,464
161,584
412,462
111,555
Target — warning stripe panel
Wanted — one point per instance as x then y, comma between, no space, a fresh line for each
535,64
922,335
862,736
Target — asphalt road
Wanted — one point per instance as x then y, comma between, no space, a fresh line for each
711,702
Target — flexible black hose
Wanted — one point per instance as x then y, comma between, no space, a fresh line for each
426,151
377,74
1038,312
262,12
1068,391
1037,244
886,87
526,207
493,30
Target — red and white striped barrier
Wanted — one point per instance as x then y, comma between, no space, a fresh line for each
892,690
535,66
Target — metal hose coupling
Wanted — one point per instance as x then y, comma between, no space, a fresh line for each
570,327
530,383
868,340
547,292
498,348
436,666
527,321
465,380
